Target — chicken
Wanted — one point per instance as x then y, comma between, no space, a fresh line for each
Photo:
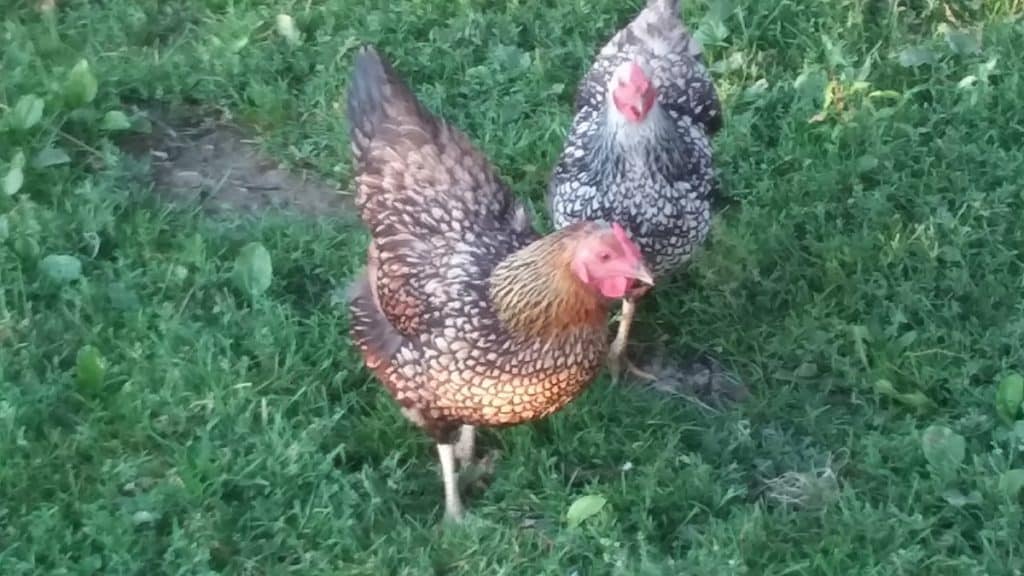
466,315
639,149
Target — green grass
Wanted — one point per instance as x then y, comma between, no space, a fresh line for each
864,280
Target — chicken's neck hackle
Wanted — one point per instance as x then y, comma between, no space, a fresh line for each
619,144
536,293
621,136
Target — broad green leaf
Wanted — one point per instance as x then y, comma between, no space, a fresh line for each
889,94
26,246
959,41
810,85
18,160
90,368
122,297
967,81
27,112
144,517
141,124
50,157
958,499
1018,429
178,273
915,56
915,399
711,31
61,267
859,86
944,449
834,56
237,45
806,370
861,337
909,337
80,88
1009,396
13,180
253,269
721,9
5,227
1012,482
15,176
866,164
883,386
115,120
756,90
286,28
584,507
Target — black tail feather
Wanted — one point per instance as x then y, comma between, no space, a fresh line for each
377,94
669,6
366,92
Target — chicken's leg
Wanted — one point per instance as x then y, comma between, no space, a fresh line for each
466,446
452,501
617,354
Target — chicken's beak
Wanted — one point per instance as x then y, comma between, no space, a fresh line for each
645,279
643,275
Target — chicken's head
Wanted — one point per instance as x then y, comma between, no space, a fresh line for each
632,91
610,262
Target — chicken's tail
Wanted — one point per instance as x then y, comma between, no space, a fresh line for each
375,94
416,174
662,31
660,26
365,98
665,6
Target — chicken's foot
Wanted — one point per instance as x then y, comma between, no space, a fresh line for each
452,500
617,353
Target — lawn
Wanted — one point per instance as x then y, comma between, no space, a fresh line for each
161,413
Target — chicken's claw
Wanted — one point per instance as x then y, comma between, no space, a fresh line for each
617,359
618,363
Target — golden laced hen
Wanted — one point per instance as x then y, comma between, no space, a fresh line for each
639,149
464,313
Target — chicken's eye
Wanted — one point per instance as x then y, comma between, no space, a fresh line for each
604,256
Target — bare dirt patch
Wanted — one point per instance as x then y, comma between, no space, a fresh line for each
198,159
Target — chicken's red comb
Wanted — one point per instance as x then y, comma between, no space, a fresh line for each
624,239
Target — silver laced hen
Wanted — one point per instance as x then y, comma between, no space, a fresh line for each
639,150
